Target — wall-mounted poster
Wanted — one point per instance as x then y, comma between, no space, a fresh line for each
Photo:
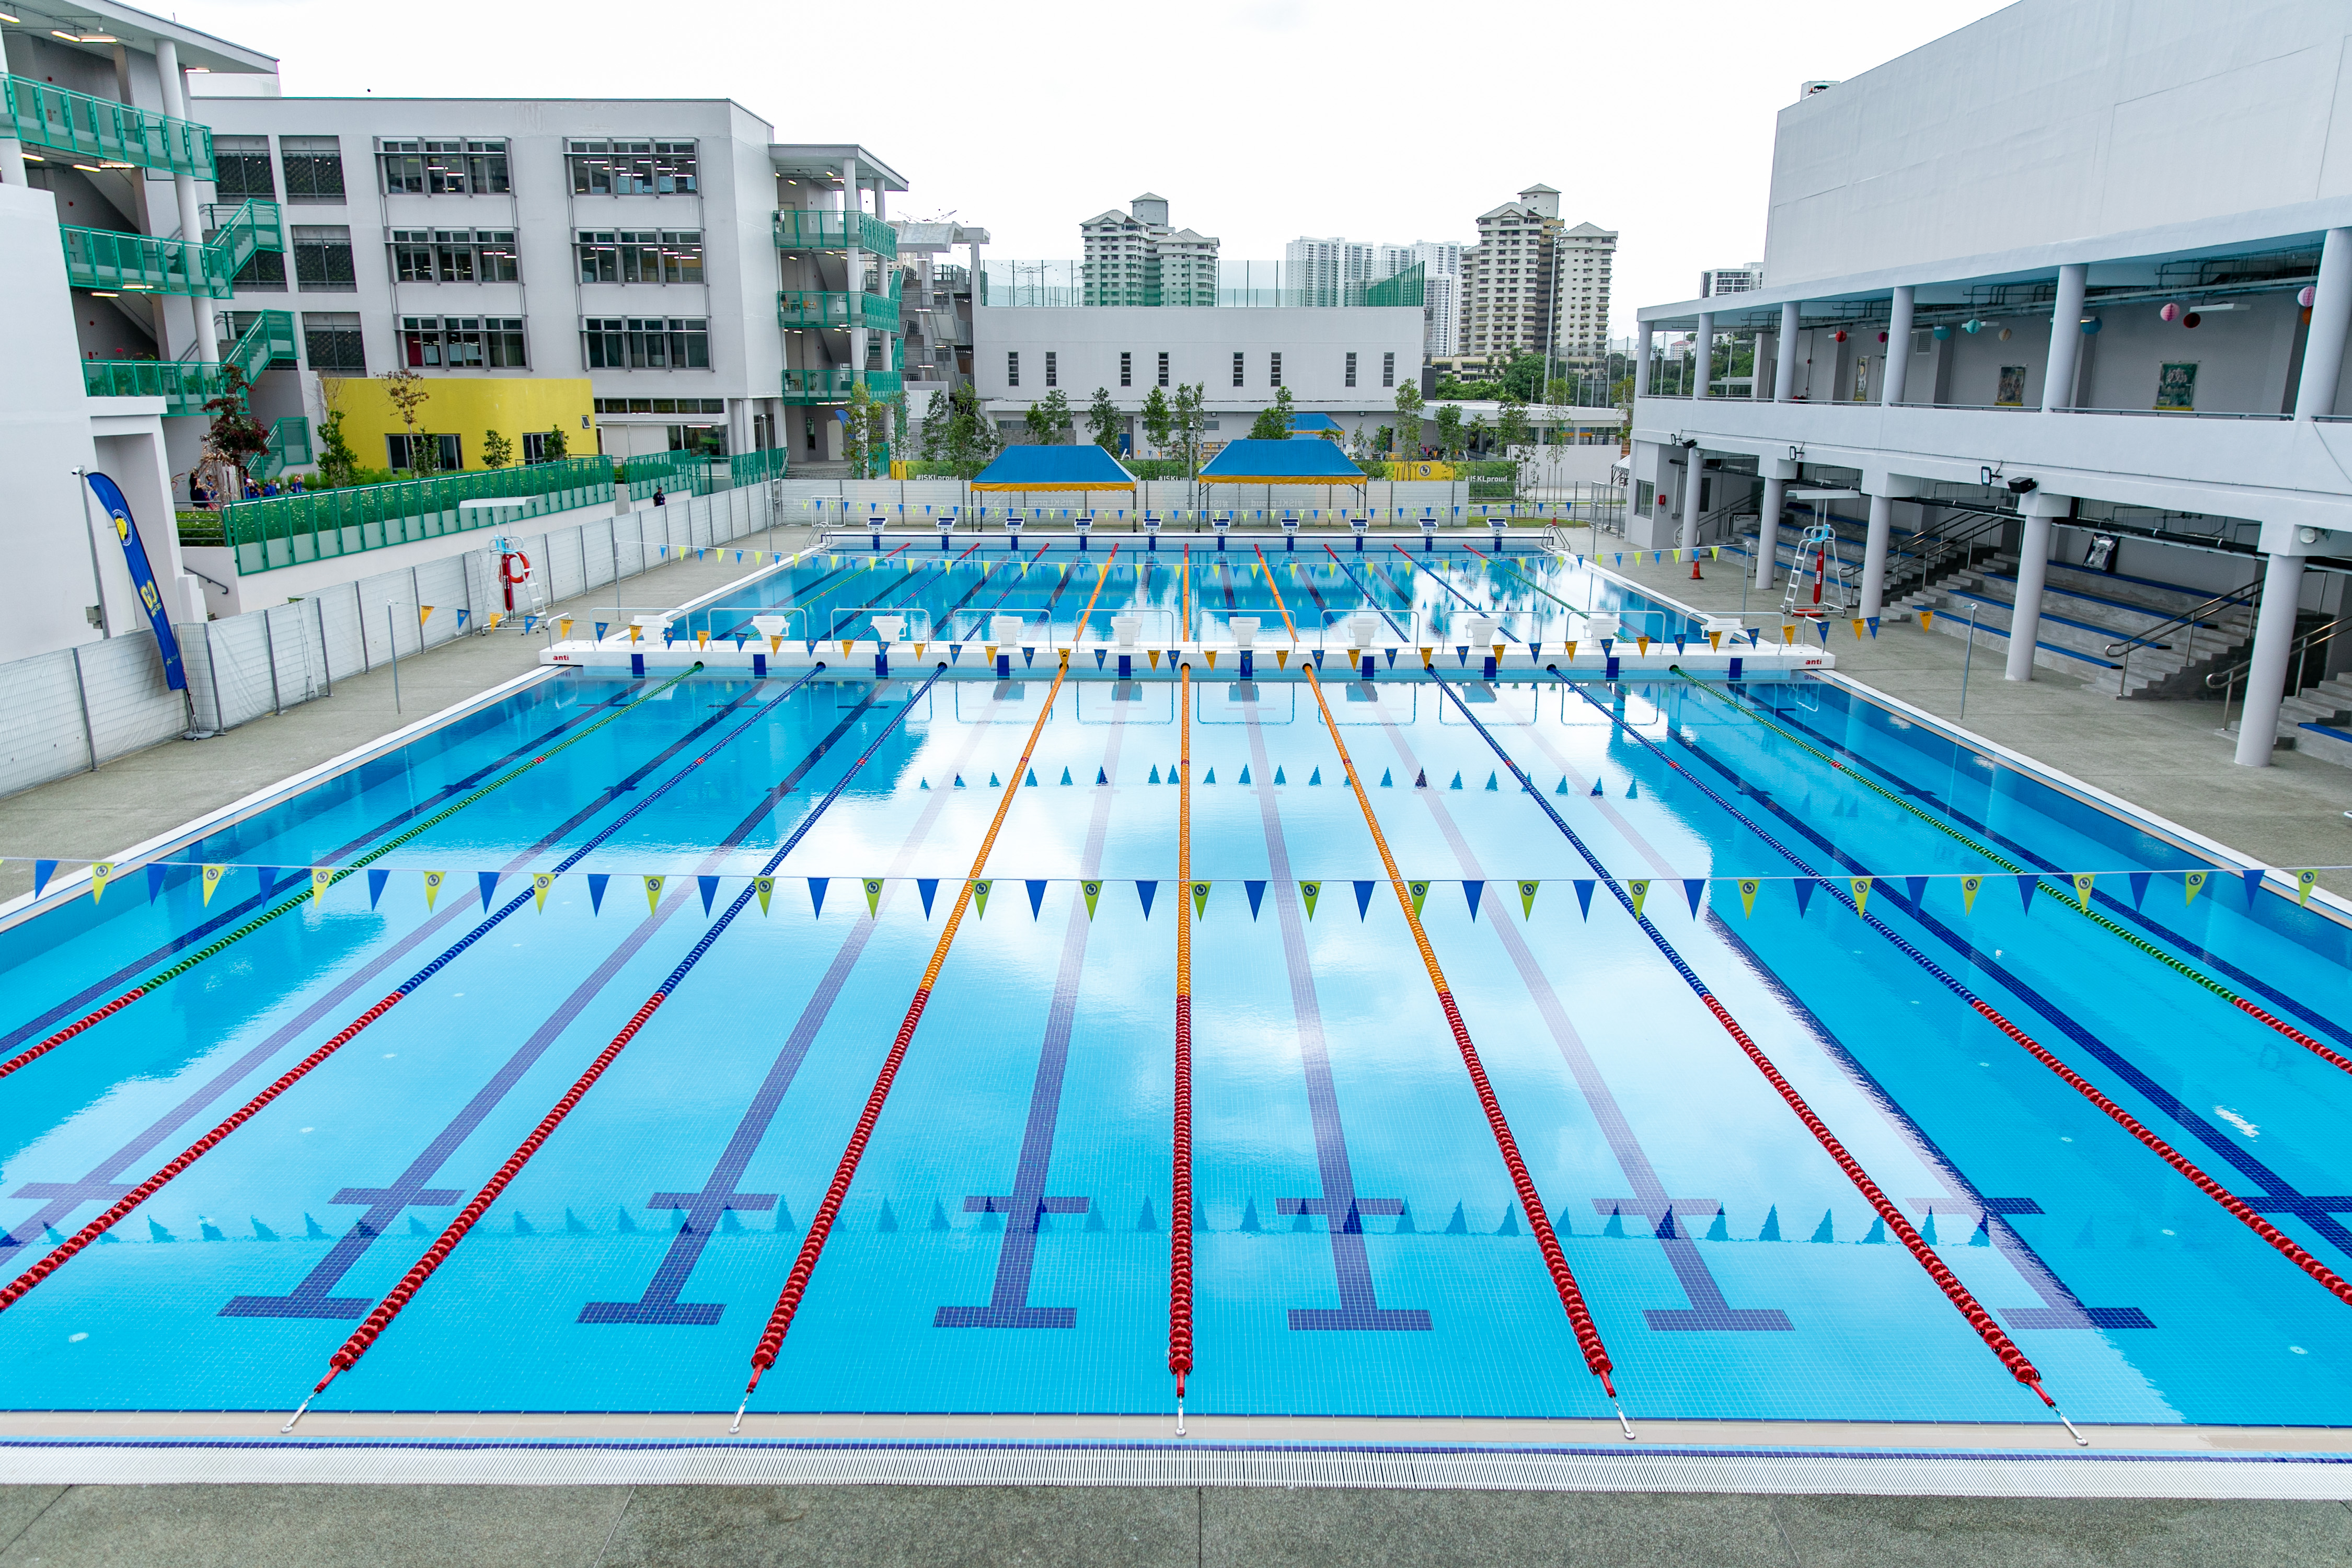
1862,378
2175,387
2011,391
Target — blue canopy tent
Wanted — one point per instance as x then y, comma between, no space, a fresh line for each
1082,467
1311,427
1310,462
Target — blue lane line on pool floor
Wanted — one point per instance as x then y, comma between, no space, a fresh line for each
313,1297
196,935
1026,1206
2278,1195
103,1183
2118,907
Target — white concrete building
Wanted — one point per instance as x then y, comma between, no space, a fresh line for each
2082,267
1134,257
1730,280
1323,272
1536,284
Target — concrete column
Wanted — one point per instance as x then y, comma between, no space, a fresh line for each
1784,370
972,250
1642,360
854,281
2033,571
1898,353
183,191
1768,529
1874,553
1756,366
2331,315
1694,486
2065,350
2274,635
12,162
1703,356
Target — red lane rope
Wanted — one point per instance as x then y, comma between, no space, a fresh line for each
1179,1206
788,1300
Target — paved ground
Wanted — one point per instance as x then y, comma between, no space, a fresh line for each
149,792
2168,757
717,1527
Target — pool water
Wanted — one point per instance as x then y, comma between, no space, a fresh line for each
1004,1246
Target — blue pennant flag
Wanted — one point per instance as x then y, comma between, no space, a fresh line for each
155,874
1584,896
489,880
925,887
1146,890
596,881
1037,898
2253,884
1256,891
709,886
1474,892
2138,880
1694,890
376,880
2025,892
1804,887
1364,900
1917,887
816,895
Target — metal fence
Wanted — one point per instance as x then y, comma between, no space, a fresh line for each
71,711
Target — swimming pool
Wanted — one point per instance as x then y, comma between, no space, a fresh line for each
1358,1247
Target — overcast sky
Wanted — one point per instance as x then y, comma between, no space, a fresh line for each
1260,121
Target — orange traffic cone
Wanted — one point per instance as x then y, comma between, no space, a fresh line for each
1695,577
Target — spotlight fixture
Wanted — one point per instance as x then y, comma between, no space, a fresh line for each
2022,484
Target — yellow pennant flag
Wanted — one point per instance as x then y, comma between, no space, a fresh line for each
766,887
1857,631
634,630
565,626
1528,899
320,877
1420,891
1572,650
653,893
775,643
1152,654
1714,641
1642,643
433,886
1788,635
2303,882
423,614
1715,552
211,876
1927,620
1968,889
2082,880
539,885
1093,890
496,616
99,874
2195,884
920,646
1200,901
1210,651
1747,885
1861,886
1640,890
1282,658
848,642
989,649
873,886
703,639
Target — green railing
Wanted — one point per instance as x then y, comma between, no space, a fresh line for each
799,229
756,467
290,447
810,308
285,530
675,474
106,258
100,130
1404,289
186,386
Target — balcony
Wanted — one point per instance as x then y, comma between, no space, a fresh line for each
109,259
808,307
100,130
830,383
798,229
186,386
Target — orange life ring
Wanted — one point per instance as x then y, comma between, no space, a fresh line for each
506,569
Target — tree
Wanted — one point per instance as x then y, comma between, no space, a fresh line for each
1449,432
863,430
1189,421
971,440
1157,418
937,415
1104,423
1385,441
552,448
234,437
1273,422
1049,419
1562,393
1511,425
496,450
881,422
1523,377
1408,424
1474,437
407,392
337,464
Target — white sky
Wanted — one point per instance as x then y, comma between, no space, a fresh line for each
1259,119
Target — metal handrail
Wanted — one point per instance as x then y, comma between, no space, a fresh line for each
2187,618
2226,680
1927,561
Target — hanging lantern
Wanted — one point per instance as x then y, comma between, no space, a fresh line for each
2306,297
1838,336
2091,325
1973,326
2171,312
2191,319
2004,334
1942,333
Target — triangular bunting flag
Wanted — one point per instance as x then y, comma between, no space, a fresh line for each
1092,891
1473,892
321,878
1200,901
1364,901
2025,892
1803,887
1968,886
1420,892
2303,882
2082,880
979,897
376,880
1307,893
2192,884
99,874
539,883
489,880
211,878
1528,899
2139,880
925,888
155,874
1037,898
1747,885
2253,883
596,881
432,887
1861,886
1146,891
1694,890
653,893
1641,891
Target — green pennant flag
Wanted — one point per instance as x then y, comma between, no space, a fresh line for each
1969,886
433,886
1528,899
873,886
1640,890
1200,901
2303,882
1307,893
980,898
539,885
767,887
1861,886
1093,890
2082,880
653,893
1747,885
1420,891
2195,884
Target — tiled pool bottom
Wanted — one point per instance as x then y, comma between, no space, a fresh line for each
631,1265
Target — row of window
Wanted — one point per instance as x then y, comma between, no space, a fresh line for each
640,256
463,343
1240,368
447,167
323,257
650,342
402,451
333,344
454,256
661,405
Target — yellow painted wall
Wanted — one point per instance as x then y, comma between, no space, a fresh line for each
465,407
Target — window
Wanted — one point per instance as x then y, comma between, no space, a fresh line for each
444,166
1274,370
1052,368
331,343
661,405
640,256
1012,367
623,168
1163,367
322,259
454,256
1388,370
243,162
314,168
463,343
263,272
400,448
1126,370
1237,369
534,445
1351,369
647,342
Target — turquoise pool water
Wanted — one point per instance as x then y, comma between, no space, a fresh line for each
1004,1246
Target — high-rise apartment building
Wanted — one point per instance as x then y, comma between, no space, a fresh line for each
1730,280
1536,284
1323,271
1134,257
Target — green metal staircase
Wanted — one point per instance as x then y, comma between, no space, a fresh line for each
186,386
102,131
114,262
